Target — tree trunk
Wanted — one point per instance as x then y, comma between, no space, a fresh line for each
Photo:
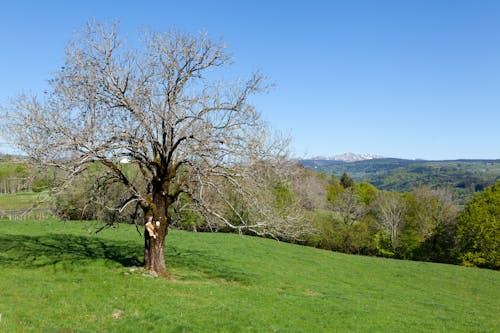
154,254
154,235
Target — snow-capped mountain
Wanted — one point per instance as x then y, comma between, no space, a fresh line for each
349,157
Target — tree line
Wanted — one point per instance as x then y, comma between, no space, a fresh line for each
424,224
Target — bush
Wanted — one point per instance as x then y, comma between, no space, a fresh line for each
85,199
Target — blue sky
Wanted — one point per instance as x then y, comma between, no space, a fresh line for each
409,79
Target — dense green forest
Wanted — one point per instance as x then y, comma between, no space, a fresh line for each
462,177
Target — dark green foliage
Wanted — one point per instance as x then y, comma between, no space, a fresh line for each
382,245
346,181
419,225
40,185
348,225
439,247
478,231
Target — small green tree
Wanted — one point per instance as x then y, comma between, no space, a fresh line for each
346,181
367,192
333,189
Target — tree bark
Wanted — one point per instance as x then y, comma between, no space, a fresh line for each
155,234
154,254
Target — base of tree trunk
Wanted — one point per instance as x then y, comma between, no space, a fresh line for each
156,272
154,256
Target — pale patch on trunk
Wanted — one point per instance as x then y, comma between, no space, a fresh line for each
154,247
151,230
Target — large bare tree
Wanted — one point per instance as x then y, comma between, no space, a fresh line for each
167,110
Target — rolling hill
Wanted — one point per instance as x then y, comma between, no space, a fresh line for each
60,277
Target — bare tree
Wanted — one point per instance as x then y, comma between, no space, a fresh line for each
164,109
310,188
390,211
349,205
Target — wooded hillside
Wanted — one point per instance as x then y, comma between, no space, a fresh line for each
462,177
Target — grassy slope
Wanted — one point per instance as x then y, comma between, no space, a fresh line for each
23,200
56,277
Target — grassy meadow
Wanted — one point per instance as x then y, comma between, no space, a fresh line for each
60,277
24,200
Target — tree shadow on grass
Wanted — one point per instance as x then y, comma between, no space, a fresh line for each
25,251
38,251
202,265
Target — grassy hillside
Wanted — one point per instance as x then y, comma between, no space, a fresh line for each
463,177
57,277
25,205
24,200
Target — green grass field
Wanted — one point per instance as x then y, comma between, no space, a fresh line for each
59,277
24,200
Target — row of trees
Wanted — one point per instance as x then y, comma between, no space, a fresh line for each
361,219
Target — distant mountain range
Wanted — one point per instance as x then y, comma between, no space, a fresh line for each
462,177
348,157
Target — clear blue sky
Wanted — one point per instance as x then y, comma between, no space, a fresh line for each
410,79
